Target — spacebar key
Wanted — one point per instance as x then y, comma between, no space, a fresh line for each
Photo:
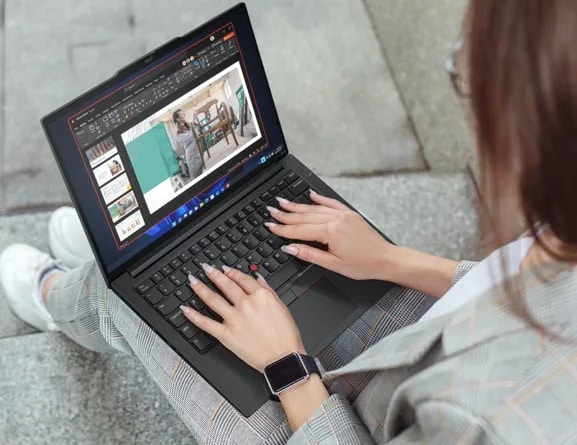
283,274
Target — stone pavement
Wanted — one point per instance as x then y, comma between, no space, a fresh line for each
363,99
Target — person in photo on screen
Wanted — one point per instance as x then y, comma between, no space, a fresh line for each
186,138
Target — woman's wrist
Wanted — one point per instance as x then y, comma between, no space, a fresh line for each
301,401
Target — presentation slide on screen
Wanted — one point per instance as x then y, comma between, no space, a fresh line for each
116,188
175,147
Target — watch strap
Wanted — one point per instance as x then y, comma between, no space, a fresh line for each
310,364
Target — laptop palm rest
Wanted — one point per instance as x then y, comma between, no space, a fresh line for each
319,309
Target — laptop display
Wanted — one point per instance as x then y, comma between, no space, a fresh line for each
167,138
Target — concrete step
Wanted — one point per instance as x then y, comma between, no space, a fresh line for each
54,391
340,109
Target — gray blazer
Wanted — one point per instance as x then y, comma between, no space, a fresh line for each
477,376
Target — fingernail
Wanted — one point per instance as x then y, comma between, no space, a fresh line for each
312,192
270,224
192,279
185,309
282,200
291,250
207,268
260,279
272,209
226,269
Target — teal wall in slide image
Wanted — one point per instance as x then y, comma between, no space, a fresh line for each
152,157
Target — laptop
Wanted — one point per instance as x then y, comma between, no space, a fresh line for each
170,164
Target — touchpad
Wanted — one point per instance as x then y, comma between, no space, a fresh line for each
319,309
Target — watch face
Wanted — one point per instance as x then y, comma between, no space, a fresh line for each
285,372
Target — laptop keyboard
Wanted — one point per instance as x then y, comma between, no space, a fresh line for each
239,240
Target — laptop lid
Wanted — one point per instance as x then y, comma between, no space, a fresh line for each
149,151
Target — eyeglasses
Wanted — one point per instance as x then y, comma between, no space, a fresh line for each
456,77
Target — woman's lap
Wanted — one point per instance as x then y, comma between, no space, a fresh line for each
93,316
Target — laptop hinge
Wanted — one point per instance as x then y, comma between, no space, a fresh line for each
255,182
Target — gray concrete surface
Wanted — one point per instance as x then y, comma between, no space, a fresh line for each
333,89
53,391
417,36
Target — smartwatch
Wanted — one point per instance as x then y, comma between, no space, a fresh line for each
289,371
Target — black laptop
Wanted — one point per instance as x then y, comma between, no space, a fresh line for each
171,163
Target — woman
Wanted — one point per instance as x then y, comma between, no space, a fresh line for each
501,369
186,139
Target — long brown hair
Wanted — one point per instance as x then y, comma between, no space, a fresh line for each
521,57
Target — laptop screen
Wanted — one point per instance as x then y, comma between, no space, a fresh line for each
167,138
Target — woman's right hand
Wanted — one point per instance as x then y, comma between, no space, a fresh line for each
355,249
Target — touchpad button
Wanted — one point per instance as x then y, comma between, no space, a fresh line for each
319,310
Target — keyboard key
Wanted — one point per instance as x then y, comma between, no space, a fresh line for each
157,276
229,259
185,256
242,265
189,269
254,258
256,203
217,264
240,250
183,293
189,330
144,286
273,191
154,296
245,227
275,242
271,265
213,236
196,303
178,278
201,342
168,305
264,213
281,257
203,277
284,274
166,287
175,263
221,229
166,270
212,252
261,233
265,196
234,236
232,221
290,177
298,187
281,184
286,195
240,215
265,250
250,242
177,319
255,219
223,244
248,209
199,259
195,249
204,242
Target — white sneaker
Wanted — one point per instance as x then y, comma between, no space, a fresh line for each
68,242
21,268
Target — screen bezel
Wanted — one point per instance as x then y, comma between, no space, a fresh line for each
236,14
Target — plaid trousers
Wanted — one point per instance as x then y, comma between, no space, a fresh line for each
97,319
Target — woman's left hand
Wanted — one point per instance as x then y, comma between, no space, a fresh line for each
257,326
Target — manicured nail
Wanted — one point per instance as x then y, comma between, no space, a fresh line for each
291,250
185,310
270,225
313,193
272,209
192,279
226,269
207,268
260,279
282,200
